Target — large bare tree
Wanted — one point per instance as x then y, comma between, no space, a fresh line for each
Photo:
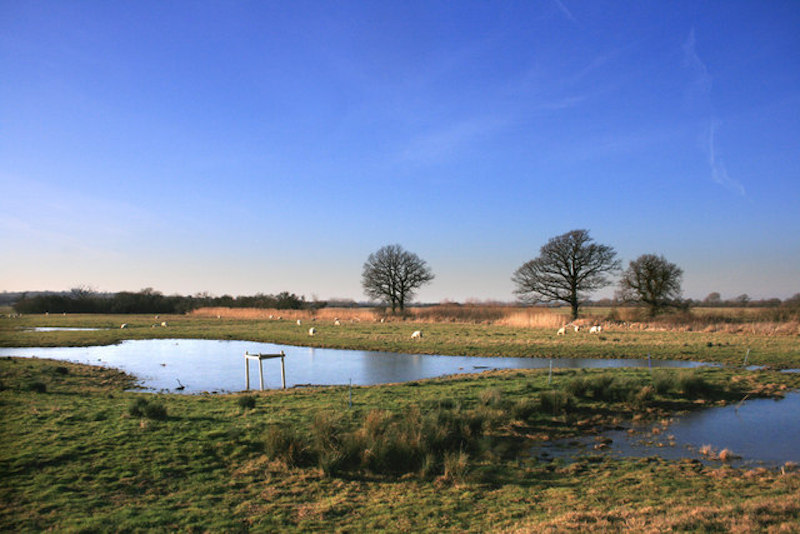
568,268
652,281
393,275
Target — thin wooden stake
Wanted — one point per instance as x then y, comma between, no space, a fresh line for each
283,371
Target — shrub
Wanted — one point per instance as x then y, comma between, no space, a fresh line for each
692,385
456,465
491,397
151,409
246,402
37,387
556,402
663,383
283,443
524,408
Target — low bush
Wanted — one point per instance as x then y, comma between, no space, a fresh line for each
246,402
37,387
284,443
491,397
556,402
150,409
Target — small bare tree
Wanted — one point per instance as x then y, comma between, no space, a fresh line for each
393,275
569,267
652,281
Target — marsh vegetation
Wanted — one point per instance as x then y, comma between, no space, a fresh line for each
80,452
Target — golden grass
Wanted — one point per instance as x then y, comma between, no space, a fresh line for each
759,514
731,320
324,314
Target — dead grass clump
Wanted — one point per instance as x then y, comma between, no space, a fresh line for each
533,318
455,313
324,314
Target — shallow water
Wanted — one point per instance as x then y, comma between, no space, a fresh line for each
211,365
760,432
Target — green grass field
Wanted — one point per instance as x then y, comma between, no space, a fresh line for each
80,453
782,351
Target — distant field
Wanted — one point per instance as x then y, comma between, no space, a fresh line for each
773,344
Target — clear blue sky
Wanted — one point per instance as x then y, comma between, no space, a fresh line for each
243,147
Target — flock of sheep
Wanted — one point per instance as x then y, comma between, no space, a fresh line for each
417,334
595,329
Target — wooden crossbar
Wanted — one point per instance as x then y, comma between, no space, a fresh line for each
260,358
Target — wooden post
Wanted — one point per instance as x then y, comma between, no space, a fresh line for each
247,371
260,358
283,371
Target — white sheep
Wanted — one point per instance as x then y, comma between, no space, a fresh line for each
577,327
417,334
299,322
595,329
562,331
337,322
124,325
312,331
164,324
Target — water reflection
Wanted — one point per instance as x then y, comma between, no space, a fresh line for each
211,365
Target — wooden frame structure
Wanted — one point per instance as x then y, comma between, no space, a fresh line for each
260,358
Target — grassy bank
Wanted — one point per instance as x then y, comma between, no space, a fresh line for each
782,351
80,453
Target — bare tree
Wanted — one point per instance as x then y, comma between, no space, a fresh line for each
393,275
568,267
652,281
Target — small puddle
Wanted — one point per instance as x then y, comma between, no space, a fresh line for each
758,432
211,365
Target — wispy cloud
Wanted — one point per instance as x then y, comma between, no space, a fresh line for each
700,89
563,8
449,140
700,85
719,174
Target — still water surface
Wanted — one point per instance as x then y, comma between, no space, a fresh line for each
760,432
212,365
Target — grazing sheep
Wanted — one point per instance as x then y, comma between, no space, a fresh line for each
417,334
595,329
271,317
299,322
577,327
312,331
383,320
562,331
124,325
164,324
337,322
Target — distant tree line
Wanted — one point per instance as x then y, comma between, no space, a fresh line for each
82,300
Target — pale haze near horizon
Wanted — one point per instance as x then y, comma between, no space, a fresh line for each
237,148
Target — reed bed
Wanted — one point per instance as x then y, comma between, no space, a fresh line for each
731,321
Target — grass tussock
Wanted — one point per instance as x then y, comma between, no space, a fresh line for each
383,443
148,408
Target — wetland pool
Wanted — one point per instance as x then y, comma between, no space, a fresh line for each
213,365
758,432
